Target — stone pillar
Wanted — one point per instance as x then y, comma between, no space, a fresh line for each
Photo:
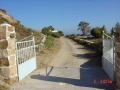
8,67
117,57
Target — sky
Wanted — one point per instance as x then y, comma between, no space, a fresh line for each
63,15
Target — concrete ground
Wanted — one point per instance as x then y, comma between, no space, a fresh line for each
73,68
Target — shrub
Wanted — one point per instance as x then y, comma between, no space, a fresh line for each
54,34
61,33
95,46
97,31
49,42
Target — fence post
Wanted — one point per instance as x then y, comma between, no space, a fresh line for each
8,67
113,42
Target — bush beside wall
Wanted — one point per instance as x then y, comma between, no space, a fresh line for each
95,46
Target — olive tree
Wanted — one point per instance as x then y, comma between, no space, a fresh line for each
84,27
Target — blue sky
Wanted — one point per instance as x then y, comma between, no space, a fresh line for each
63,15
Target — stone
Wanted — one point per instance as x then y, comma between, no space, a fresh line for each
117,47
2,28
11,43
117,40
13,71
118,76
4,62
5,72
118,55
1,77
11,51
12,35
11,80
12,61
10,28
8,34
118,62
8,72
117,70
2,35
118,84
4,86
8,67
118,80
3,44
3,53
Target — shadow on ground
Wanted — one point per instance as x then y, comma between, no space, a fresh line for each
86,55
88,74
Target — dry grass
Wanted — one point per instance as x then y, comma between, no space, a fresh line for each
4,86
46,56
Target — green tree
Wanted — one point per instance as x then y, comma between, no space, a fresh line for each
61,33
46,30
50,28
112,31
84,27
98,31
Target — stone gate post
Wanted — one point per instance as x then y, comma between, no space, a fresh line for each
117,57
8,67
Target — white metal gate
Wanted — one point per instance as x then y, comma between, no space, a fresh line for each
108,60
26,57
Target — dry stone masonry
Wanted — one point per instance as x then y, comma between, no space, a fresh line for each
117,71
8,67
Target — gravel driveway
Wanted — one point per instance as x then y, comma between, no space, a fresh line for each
71,69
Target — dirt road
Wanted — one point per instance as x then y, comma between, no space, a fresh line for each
73,68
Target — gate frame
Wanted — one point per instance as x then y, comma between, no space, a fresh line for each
114,54
29,61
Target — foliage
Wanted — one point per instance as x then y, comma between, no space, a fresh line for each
61,33
98,31
84,27
112,31
94,46
49,42
55,34
46,30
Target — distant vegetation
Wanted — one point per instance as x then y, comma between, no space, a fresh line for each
49,43
95,36
97,32
48,31
84,27
97,45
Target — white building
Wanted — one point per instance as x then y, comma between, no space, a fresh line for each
54,31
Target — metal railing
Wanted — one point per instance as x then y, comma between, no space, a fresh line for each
25,50
108,58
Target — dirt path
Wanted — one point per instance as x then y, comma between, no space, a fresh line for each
71,69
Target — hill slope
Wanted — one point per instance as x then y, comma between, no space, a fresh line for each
21,30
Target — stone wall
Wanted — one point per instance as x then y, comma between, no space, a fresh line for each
117,62
8,67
